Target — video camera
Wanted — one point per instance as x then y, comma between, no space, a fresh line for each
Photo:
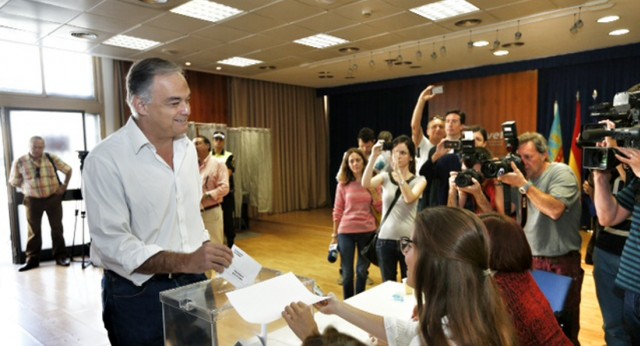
498,167
625,113
469,157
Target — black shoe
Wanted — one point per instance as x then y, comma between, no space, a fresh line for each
63,261
29,266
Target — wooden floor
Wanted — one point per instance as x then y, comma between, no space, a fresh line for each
61,306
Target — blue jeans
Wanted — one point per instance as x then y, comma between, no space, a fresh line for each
347,244
632,315
610,297
389,256
132,314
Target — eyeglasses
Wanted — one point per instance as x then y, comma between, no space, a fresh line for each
405,244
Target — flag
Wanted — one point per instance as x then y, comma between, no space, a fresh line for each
555,137
575,158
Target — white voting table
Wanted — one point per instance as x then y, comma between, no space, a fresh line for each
387,299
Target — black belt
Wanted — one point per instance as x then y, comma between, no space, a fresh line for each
156,277
211,207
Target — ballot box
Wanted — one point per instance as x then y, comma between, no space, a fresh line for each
200,314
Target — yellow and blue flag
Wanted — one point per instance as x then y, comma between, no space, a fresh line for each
555,137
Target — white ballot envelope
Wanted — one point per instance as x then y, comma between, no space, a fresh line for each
264,302
243,269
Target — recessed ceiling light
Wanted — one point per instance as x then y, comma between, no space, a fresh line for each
349,50
239,61
467,23
619,32
267,67
155,2
321,41
218,68
608,19
501,52
481,43
130,42
84,35
187,63
444,9
206,10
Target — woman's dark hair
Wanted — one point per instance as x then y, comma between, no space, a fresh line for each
332,337
453,284
141,75
346,174
510,250
412,150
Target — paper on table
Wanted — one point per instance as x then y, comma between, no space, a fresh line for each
243,269
264,302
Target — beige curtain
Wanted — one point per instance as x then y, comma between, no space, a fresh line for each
299,138
120,70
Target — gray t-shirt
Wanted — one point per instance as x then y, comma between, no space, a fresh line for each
400,222
548,237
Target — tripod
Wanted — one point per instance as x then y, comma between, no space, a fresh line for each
83,214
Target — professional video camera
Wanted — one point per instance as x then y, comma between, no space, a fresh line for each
499,167
625,113
470,156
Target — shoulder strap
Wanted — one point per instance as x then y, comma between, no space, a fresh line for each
395,198
55,169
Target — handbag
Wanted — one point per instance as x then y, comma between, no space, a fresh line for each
369,250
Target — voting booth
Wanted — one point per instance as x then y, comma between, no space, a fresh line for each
200,314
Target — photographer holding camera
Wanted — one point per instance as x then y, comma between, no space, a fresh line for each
471,182
613,210
552,227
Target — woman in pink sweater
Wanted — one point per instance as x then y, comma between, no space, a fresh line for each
511,260
353,220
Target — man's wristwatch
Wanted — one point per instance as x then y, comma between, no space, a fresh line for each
525,188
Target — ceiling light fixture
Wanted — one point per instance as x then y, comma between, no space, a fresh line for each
372,64
496,43
467,23
84,35
130,42
501,52
418,53
470,42
608,19
444,9
206,10
399,58
518,34
443,48
239,61
577,24
321,41
434,55
481,43
619,32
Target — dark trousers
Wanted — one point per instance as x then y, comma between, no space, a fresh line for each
35,208
132,314
228,207
567,265
389,257
350,245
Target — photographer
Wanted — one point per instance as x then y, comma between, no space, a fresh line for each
612,210
471,182
551,194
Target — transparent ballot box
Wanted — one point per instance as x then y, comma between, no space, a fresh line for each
200,314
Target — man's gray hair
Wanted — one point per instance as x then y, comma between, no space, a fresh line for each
537,139
141,75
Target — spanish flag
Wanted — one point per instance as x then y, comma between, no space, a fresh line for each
575,158
555,137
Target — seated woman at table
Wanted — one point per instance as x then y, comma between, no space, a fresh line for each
511,260
458,301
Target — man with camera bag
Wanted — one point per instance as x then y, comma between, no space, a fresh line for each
551,194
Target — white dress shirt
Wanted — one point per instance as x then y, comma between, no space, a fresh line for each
137,205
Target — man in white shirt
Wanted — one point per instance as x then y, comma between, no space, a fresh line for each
142,190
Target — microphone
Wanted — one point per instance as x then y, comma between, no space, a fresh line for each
621,133
595,134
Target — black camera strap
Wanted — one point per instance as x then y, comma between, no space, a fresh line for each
523,210
55,169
